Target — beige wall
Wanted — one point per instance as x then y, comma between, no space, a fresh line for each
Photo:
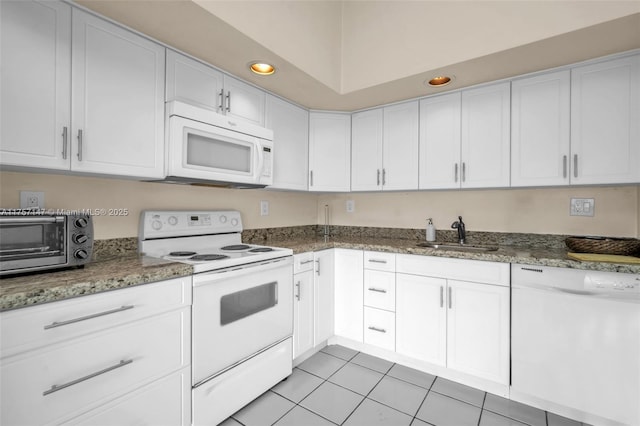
510,210
70,192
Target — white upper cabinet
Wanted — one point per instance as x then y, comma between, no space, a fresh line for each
107,119
605,122
193,82
35,83
366,150
117,100
440,142
384,148
290,125
196,83
329,152
485,136
540,130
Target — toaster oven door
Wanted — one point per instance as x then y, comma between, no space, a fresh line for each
32,242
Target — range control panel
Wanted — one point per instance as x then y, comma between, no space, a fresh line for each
163,224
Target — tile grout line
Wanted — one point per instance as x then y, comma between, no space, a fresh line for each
371,390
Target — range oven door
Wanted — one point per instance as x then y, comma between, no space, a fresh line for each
238,312
206,152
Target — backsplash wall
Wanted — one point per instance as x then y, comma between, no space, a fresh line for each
546,211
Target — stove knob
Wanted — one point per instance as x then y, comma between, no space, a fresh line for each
80,254
81,222
173,220
223,219
234,222
156,225
80,238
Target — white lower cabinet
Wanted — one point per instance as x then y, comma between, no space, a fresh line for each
348,294
323,295
380,328
84,372
303,303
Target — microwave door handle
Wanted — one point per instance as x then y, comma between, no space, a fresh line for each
260,161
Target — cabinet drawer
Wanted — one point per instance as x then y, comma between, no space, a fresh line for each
37,326
90,371
302,262
380,261
380,328
457,269
380,290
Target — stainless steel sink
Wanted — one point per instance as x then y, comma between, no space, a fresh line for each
456,246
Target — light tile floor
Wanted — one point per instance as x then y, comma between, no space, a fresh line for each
339,386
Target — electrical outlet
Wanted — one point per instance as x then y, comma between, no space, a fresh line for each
351,206
31,200
582,207
264,208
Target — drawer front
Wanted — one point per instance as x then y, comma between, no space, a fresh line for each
33,327
302,262
380,290
455,269
380,261
90,371
380,328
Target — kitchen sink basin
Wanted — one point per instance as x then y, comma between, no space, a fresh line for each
456,246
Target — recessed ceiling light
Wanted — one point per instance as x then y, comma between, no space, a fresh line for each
441,80
262,68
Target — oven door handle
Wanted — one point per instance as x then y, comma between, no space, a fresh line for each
235,271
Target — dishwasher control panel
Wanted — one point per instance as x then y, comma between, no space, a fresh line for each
627,284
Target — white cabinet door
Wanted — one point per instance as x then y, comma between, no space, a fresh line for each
35,84
440,142
421,318
323,295
329,152
303,313
348,294
400,152
193,82
290,125
540,122
485,136
605,122
117,100
244,101
478,330
366,150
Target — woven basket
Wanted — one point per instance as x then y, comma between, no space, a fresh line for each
604,245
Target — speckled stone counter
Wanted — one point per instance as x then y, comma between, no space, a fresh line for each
95,277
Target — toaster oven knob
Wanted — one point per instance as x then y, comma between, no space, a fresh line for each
81,222
80,254
80,238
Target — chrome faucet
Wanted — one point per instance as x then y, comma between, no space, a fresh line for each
462,232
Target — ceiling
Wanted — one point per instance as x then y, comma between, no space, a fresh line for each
350,55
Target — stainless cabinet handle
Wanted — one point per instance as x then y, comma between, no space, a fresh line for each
464,171
56,388
441,296
575,165
378,179
379,330
229,101
304,262
221,94
450,303
564,166
377,261
318,268
455,173
64,142
99,314
298,292
311,178
377,290
79,144
384,177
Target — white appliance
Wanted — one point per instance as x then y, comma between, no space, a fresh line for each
242,313
206,147
575,343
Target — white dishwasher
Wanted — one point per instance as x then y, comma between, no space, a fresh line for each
575,343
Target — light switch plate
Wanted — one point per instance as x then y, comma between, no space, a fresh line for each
582,207
31,200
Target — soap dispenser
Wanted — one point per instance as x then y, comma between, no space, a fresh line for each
431,230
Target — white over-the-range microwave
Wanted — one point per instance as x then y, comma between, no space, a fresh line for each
204,147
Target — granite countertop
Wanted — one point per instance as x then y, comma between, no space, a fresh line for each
125,268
